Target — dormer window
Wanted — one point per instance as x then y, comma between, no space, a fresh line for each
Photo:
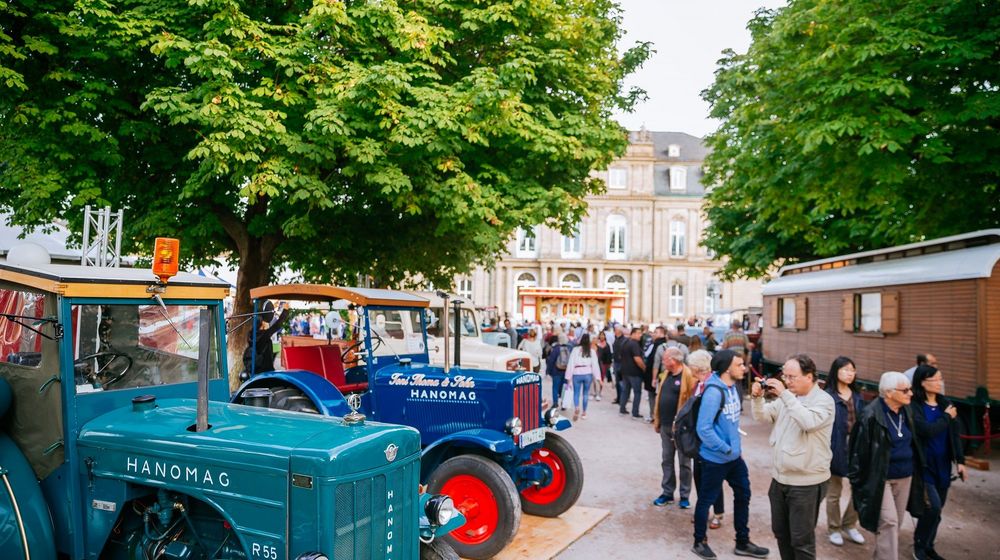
674,150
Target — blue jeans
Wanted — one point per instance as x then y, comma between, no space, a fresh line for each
928,523
558,380
631,385
712,476
581,389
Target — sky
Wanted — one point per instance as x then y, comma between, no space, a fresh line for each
689,37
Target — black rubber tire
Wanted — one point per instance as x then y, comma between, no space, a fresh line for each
557,445
437,549
503,491
291,399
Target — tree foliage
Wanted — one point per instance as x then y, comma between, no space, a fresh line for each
378,137
852,125
371,137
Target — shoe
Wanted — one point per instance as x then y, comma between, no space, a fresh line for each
622,412
663,500
856,536
614,401
836,538
648,419
583,416
716,522
919,554
685,503
576,415
750,549
597,398
637,416
702,550
933,555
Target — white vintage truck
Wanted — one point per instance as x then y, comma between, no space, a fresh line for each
475,353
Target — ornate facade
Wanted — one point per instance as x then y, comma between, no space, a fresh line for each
635,257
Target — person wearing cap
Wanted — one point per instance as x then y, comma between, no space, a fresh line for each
721,458
802,415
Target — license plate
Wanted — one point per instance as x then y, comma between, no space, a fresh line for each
533,436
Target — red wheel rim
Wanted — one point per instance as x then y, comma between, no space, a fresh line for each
549,493
475,500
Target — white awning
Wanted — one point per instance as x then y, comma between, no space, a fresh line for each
961,264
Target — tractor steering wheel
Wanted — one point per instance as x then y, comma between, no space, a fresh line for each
101,375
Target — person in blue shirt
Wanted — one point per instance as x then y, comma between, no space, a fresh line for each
721,455
934,419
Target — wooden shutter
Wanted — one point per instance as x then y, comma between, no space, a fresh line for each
801,316
774,313
847,312
890,312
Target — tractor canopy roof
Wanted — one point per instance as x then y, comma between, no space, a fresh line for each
95,281
319,292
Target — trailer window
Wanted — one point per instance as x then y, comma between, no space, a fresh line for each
869,312
786,312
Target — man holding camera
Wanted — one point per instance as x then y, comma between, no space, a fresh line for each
803,416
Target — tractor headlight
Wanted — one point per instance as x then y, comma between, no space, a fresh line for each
514,426
440,509
552,416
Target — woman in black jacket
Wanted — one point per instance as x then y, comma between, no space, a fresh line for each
934,417
886,464
848,405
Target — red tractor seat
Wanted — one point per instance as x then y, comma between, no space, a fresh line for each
324,361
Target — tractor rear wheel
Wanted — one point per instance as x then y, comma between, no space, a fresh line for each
292,399
552,499
486,496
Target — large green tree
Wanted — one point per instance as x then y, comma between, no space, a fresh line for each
852,125
337,137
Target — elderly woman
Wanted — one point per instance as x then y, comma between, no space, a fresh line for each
934,418
886,464
700,364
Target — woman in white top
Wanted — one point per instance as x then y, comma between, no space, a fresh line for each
533,347
581,371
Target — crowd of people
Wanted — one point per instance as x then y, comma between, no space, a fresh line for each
898,453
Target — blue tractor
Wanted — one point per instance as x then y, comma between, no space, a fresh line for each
489,440
118,442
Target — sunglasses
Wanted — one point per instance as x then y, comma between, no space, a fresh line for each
905,391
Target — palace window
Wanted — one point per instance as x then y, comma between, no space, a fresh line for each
526,280
617,178
677,300
678,238
465,289
616,237
616,282
527,242
571,280
571,245
678,179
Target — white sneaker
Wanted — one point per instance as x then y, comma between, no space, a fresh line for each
837,539
856,536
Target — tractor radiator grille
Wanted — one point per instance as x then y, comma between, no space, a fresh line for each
527,405
375,517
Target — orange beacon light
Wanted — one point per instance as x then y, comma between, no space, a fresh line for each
165,255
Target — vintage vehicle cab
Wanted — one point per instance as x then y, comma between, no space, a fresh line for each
119,441
474,351
489,441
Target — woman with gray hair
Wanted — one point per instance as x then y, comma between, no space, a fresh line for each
700,363
886,464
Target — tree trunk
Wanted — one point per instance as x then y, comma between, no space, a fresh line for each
253,271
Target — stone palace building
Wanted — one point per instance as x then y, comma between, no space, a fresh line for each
634,258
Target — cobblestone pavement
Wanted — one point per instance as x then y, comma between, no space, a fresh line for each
621,459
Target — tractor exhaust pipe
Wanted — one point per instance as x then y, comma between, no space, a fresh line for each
444,329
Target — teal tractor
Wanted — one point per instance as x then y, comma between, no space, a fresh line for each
118,441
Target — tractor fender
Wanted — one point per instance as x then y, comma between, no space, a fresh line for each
562,424
25,521
491,444
325,396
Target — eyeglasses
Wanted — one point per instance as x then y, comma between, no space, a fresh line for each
907,390
791,378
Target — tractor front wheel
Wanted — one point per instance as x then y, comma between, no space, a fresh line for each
563,490
486,496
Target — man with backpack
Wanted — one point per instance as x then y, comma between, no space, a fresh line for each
720,453
555,366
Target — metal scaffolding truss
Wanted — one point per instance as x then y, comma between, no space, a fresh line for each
99,225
